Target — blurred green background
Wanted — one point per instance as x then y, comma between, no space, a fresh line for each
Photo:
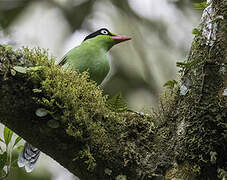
161,32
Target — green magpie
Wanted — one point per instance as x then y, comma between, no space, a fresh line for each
91,56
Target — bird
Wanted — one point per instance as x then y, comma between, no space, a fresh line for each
91,56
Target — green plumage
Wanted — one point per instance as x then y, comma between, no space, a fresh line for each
91,54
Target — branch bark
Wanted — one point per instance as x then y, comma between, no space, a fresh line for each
185,139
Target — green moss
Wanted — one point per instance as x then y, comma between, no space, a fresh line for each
88,158
77,105
54,90
203,109
81,117
183,171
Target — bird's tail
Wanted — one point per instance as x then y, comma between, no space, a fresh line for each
28,157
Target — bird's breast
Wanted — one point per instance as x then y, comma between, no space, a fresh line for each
99,68
92,60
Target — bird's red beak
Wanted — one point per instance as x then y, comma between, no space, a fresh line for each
119,39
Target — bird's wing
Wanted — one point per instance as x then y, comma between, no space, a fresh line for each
63,60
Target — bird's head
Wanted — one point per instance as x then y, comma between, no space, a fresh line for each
106,38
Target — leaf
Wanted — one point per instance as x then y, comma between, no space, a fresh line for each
41,112
53,124
20,69
17,141
13,72
35,68
1,140
20,147
201,6
7,135
186,64
170,84
37,90
180,64
195,31
3,160
117,103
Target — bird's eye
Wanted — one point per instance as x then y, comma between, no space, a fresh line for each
104,32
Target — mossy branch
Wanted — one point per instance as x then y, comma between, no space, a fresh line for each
66,116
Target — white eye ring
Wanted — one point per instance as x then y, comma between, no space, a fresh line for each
104,32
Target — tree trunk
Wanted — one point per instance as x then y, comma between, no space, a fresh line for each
65,115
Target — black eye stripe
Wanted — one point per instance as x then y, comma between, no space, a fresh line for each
96,33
